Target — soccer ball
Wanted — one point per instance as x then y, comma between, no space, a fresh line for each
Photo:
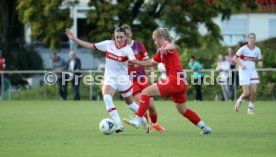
107,126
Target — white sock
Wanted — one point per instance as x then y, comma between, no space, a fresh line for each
133,107
111,109
251,106
240,100
201,124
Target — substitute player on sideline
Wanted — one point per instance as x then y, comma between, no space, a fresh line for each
245,59
174,86
116,77
139,78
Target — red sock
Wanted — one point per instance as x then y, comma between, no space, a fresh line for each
192,116
144,105
153,118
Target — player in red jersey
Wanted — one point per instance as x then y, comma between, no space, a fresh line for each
140,80
175,84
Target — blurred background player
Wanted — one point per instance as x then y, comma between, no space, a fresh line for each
223,67
116,76
139,77
245,58
174,86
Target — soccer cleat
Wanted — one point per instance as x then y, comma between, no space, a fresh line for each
205,130
132,122
238,105
120,128
158,127
250,112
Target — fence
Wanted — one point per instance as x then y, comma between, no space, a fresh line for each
8,90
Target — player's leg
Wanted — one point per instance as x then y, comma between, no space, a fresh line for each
138,86
244,82
108,91
192,117
144,104
252,100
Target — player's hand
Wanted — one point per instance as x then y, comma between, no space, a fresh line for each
161,50
69,34
260,64
242,67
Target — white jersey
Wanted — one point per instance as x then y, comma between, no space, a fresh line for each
116,58
249,56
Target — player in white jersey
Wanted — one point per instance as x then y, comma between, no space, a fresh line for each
245,58
116,76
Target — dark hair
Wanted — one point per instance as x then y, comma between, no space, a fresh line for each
251,34
120,29
241,44
193,57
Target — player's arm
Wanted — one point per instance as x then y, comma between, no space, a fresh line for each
82,43
147,63
260,63
170,47
236,60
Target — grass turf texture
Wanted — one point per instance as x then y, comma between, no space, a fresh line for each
70,129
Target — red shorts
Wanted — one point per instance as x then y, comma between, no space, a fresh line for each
174,88
138,87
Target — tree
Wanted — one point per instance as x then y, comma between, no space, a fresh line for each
181,16
46,19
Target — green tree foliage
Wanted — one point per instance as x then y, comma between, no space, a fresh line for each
182,16
46,19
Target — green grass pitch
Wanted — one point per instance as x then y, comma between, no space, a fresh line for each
70,129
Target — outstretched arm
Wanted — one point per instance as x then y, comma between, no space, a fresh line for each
82,43
147,63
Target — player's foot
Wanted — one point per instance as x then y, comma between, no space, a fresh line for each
205,130
158,127
132,122
250,112
145,125
120,128
238,105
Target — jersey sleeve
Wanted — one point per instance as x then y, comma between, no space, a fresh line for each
102,46
156,58
130,54
240,52
144,52
259,55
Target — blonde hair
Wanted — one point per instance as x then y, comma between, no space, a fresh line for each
163,32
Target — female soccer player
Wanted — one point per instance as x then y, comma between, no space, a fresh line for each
116,76
139,78
174,86
245,59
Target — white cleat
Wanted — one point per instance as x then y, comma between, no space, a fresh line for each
205,130
238,105
120,128
250,112
132,122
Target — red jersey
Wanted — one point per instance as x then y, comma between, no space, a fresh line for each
140,53
2,63
170,60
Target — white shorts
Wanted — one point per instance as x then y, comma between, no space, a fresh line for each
121,83
248,76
